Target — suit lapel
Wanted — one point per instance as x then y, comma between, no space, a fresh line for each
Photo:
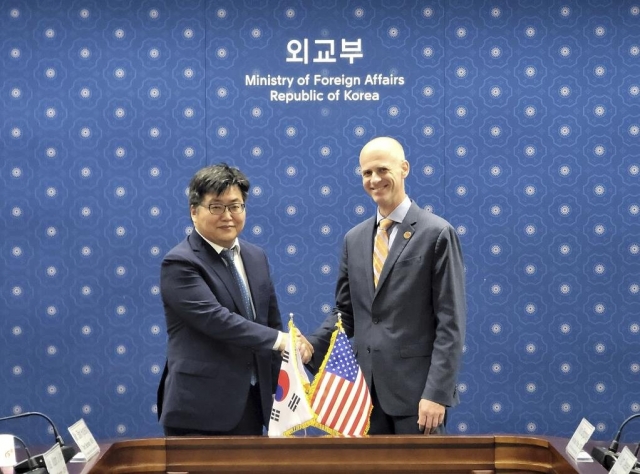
213,261
367,237
404,233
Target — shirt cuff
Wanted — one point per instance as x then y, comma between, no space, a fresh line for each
279,340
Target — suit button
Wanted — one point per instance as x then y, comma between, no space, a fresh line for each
375,321
368,350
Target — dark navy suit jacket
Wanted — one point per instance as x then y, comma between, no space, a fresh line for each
211,346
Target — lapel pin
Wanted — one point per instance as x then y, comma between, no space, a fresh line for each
407,235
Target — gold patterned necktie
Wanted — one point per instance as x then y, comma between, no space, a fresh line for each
380,249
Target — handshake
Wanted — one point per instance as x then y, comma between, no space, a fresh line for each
303,346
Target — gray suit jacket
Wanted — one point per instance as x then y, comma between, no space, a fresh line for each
212,347
408,332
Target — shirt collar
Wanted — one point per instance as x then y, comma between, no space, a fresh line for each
398,214
219,248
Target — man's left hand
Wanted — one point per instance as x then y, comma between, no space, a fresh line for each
430,415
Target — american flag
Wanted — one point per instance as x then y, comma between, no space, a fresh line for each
341,398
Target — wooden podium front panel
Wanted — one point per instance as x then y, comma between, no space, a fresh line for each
376,454
455,455
131,457
528,454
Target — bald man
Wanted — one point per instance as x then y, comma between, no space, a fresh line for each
407,322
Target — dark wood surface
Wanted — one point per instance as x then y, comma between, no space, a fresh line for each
500,454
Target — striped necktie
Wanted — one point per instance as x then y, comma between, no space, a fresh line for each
228,257
380,249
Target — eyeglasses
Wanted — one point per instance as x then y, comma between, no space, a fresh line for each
219,209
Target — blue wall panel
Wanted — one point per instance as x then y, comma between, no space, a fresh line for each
521,121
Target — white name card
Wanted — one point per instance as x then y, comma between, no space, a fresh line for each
54,460
626,461
579,439
7,450
84,439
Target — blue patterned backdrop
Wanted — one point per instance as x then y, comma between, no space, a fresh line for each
521,121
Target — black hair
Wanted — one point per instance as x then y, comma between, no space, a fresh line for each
216,179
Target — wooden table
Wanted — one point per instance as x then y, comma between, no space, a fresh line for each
499,454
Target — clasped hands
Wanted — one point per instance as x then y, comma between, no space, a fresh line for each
303,346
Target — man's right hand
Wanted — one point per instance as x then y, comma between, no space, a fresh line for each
304,347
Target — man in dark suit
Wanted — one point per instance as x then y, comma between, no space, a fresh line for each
407,322
223,338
